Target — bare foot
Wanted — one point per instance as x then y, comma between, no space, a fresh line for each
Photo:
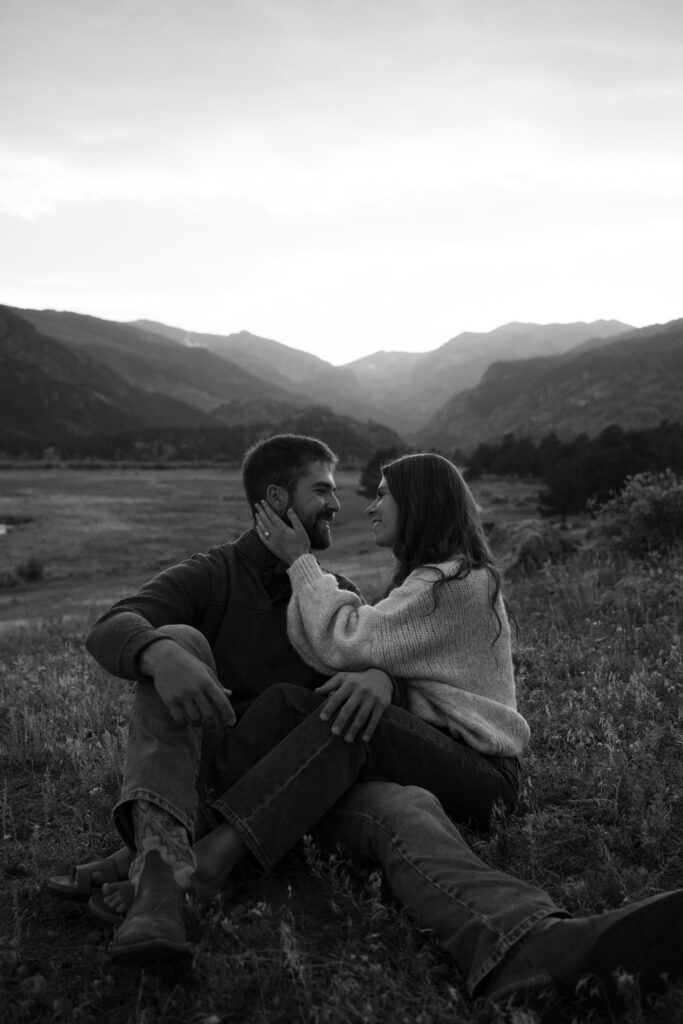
217,855
118,896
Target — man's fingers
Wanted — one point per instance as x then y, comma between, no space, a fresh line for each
177,712
214,704
226,712
191,715
205,712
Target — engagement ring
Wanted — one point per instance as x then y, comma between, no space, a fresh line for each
266,534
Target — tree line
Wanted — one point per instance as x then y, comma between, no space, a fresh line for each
584,471
576,474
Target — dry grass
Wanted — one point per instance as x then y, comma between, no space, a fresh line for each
599,673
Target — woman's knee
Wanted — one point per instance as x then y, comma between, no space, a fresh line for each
386,800
297,700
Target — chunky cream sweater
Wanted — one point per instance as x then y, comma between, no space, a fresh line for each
455,677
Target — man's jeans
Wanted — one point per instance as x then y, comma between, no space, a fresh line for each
298,776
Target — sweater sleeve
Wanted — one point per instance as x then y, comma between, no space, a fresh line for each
180,594
333,629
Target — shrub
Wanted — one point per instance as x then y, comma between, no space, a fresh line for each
647,514
32,569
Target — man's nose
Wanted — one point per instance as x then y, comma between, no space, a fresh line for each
333,503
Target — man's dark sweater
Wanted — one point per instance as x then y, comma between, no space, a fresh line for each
236,595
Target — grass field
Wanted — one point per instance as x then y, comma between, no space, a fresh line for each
599,671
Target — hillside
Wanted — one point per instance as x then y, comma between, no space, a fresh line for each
290,370
348,438
415,386
634,381
270,360
67,395
193,375
51,394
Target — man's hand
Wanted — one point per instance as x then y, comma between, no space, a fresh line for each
187,687
358,700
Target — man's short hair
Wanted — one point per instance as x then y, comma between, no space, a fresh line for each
281,460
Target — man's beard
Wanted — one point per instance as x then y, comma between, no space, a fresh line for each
319,533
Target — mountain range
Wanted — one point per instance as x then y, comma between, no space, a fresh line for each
67,377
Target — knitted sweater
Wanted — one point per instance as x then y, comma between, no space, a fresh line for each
458,674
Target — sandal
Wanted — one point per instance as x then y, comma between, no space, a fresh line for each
85,879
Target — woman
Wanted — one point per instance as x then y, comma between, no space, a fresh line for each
442,629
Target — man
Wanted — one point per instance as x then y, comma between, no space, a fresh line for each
508,939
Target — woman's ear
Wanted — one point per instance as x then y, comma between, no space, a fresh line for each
276,497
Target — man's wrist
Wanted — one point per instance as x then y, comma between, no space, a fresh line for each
149,657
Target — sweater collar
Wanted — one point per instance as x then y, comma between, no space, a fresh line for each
252,547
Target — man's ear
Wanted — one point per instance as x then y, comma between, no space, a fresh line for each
277,498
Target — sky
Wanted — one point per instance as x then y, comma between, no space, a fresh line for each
343,176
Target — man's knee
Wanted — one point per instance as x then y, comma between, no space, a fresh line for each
191,640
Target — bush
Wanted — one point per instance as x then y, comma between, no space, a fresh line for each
32,569
647,514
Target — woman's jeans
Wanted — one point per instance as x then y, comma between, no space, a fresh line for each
280,768
476,912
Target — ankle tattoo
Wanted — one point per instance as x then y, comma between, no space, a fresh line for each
156,829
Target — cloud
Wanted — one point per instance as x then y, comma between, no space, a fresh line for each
233,141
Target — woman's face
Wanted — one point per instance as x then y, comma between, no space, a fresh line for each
384,516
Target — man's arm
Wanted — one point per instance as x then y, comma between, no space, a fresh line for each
128,643
188,687
181,594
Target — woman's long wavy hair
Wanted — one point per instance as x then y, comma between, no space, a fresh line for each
438,520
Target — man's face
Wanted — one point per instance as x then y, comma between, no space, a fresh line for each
314,501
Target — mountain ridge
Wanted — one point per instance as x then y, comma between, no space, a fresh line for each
194,375
633,380
66,393
281,365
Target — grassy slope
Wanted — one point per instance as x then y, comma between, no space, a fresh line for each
599,674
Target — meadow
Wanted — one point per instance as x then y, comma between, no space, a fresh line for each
599,666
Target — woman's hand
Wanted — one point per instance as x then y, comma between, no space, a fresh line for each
358,698
286,542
